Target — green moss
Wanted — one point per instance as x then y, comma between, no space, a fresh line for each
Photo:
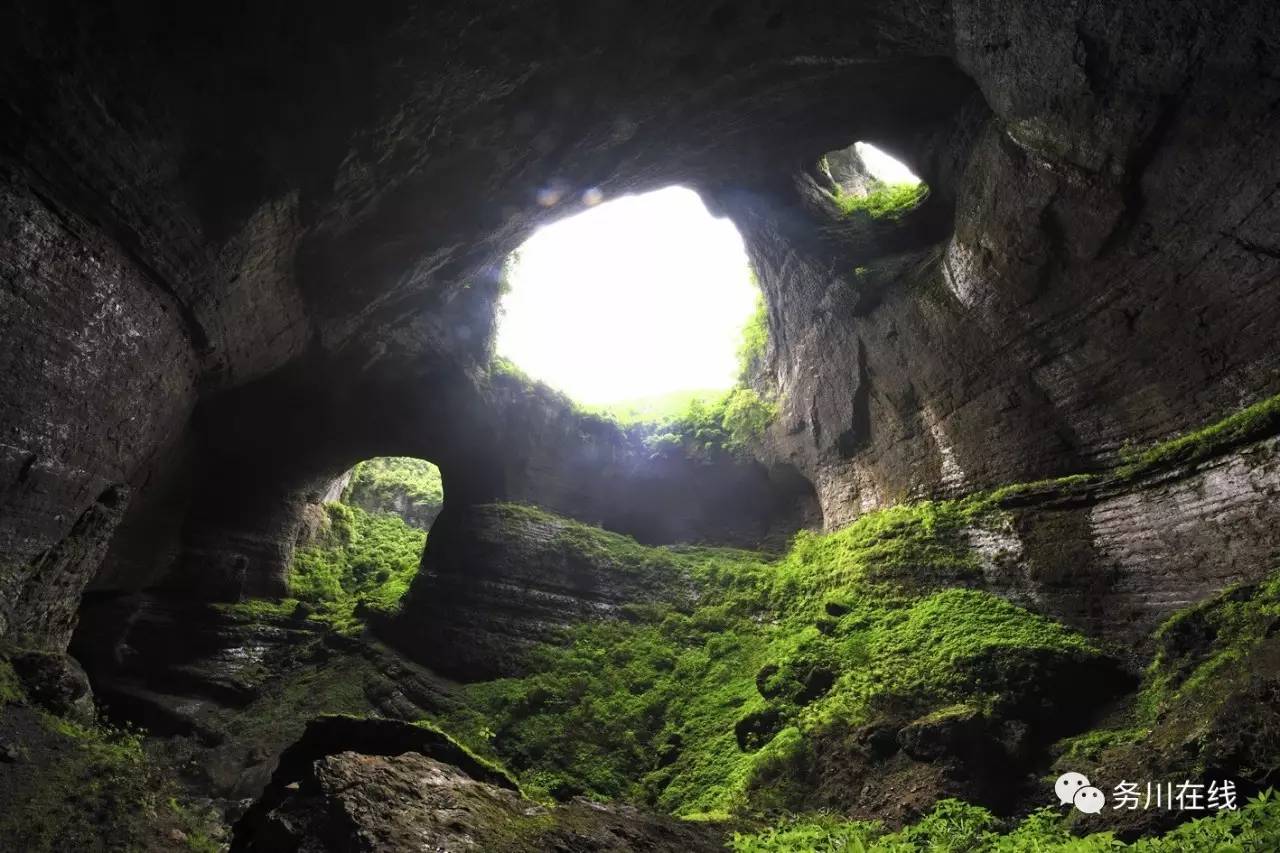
10,685
1250,424
1201,647
1089,746
956,826
709,705
884,202
97,790
1257,421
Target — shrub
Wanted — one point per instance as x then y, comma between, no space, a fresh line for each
884,202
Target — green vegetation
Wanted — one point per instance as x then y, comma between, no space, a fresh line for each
712,706
376,484
884,202
1201,647
1256,421
10,685
728,424
362,559
755,340
957,826
1090,745
95,789
648,410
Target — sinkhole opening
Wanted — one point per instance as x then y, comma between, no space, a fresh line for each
634,306
870,184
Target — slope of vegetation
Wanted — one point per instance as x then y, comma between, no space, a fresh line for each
713,708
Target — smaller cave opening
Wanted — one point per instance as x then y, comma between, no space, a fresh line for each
867,183
360,546
217,690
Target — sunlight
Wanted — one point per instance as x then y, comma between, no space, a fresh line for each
642,296
883,167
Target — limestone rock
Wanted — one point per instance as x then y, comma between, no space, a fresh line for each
354,802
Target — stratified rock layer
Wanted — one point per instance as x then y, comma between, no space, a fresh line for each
232,267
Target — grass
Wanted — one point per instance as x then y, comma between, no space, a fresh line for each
957,826
885,202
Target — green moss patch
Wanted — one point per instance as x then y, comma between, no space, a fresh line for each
1202,651
710,707
884,202
96,789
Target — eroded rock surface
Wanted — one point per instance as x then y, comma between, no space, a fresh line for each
229,280
351,801
497,579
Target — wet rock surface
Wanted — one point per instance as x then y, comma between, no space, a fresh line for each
1115,562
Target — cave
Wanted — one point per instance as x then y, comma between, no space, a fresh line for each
979,531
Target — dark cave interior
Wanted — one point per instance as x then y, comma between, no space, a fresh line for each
994,500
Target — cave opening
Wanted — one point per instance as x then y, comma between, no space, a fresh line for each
637,303
360,551
987,499
870,183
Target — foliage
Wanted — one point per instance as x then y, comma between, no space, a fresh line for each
378,483
363,558
884,202
710,706
728,424
755,339
957,826
97,790
655,409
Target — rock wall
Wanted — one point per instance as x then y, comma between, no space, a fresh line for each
496,579
96,375
1116,562
233,269
1091,270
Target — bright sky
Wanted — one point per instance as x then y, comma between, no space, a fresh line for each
640,296
884,167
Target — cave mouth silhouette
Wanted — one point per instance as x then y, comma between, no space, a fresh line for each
635,298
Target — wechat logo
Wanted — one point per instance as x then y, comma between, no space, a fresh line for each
1074,789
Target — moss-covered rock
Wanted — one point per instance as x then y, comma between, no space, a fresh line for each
680,702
